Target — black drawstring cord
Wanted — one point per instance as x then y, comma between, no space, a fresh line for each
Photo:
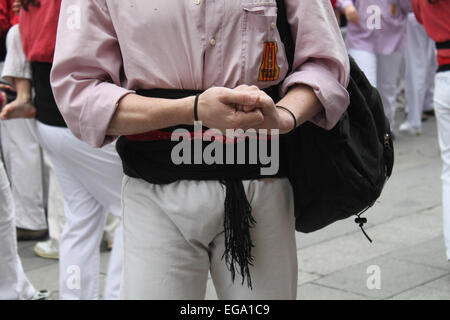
361,222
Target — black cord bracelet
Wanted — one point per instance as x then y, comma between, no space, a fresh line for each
196,107
293,117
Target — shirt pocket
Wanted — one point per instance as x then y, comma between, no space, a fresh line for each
263,53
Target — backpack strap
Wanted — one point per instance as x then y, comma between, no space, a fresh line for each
285,33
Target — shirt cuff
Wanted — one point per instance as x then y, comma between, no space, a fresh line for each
333,95
98,111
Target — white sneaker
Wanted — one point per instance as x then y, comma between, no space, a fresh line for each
41,295
406,128
47,249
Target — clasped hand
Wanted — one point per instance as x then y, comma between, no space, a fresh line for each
245,107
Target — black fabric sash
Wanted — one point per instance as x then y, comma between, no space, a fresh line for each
152,162
47,111
443,68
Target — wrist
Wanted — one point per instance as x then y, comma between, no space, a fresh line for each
287,122
24,98
186,110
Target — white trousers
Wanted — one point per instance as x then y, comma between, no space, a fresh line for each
27,172
421,66
173,235
442,109
90,180
23,157
383,72
14,284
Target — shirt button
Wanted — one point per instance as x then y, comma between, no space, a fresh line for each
273,25
213,42
197,2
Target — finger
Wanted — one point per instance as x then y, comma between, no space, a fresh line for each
247,120
249,108
242,88
239,98
266,104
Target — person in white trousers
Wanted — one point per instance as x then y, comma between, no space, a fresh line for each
442,109
14,284
28,173
375,38
90,180
421,66
434,17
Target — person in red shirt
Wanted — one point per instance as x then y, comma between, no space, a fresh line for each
433,14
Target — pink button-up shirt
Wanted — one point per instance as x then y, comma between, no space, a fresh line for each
108,48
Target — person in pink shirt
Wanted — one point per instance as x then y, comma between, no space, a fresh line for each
145,70
376,35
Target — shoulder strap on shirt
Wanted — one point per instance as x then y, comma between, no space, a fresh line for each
285,33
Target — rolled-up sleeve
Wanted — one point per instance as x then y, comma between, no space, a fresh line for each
86,70
321,60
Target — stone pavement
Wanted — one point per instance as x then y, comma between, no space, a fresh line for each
338,262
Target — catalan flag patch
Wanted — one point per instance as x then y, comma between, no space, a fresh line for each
269,70
394,10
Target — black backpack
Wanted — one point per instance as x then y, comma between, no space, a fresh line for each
338,173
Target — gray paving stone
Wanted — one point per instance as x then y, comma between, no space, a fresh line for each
31,261
333,255
312,291
429,253
25,244
396,276
306,277
441,284
423,293
409,230
45,278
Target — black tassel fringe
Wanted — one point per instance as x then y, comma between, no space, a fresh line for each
237,224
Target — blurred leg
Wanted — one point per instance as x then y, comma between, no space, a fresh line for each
167,232
100,172
416,71
432,66
367,62
114,276
25,167
442,109
388,72
13,281
79,255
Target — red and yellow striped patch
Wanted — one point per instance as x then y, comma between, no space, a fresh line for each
394,10
269,70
